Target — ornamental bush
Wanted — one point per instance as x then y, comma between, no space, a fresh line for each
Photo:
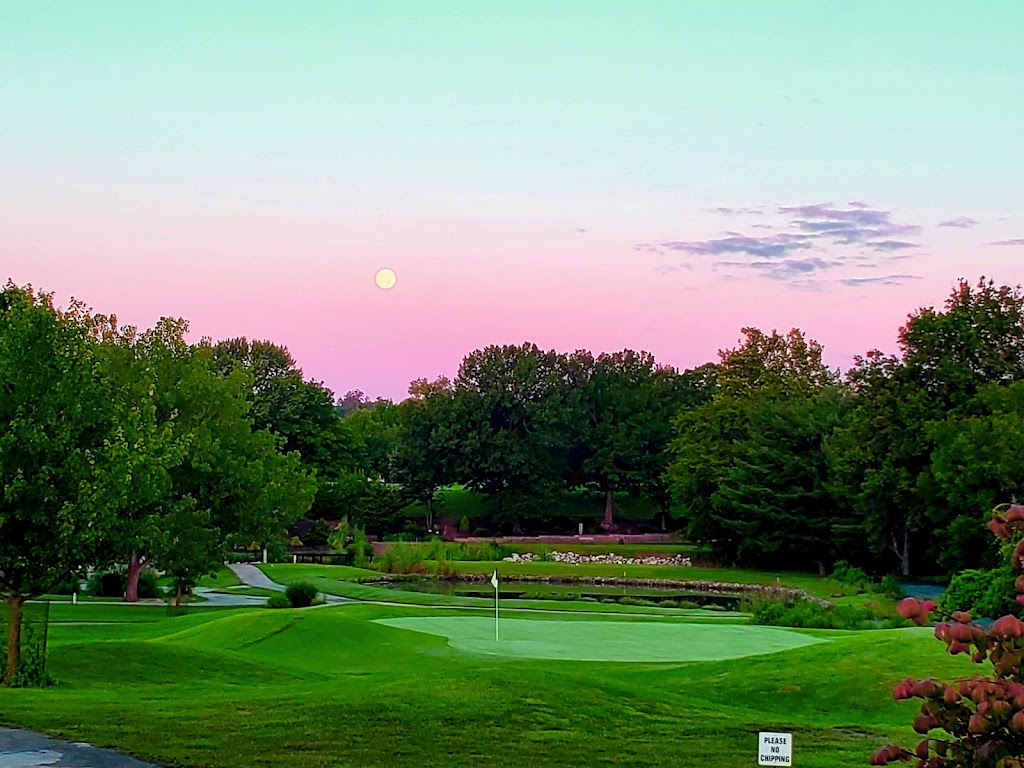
301,594
977,722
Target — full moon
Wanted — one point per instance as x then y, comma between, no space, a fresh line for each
385,278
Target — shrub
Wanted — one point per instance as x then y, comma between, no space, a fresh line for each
69,585
301,594
278,601
464,524
981,593
112,584
808,614
105,584
31,671
891,587
850,576
148,586
980,719
629,600
400,537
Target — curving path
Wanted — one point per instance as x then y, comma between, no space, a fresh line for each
252,576
26,749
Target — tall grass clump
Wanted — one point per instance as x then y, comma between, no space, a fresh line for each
401,559
437,549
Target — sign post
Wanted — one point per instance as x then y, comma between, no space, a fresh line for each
774,748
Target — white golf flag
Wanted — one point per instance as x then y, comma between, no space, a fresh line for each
494,583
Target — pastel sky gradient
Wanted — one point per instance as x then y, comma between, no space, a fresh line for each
653,175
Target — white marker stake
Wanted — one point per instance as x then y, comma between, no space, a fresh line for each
494,583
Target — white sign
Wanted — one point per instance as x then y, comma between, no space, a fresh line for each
774,748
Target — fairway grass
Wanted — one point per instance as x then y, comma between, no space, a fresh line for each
336,686
604,640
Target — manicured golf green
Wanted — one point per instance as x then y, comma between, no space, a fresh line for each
604,640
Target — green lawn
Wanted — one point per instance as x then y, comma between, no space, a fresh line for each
223,579
334,686
286,573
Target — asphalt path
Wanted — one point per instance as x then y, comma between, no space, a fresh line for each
25,749
252,576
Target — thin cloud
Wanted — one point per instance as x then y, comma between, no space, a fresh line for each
1011,241
891,245
747,211
847,226
668,269
768,247
810,240
790,268
961,222
860,282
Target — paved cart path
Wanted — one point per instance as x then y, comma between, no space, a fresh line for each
27,749
252,576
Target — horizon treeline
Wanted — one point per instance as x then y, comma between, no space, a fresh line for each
766,456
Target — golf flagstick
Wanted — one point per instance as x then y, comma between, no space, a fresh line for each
494,583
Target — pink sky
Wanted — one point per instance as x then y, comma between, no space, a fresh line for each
305,280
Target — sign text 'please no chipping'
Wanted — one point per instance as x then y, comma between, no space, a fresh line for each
774,748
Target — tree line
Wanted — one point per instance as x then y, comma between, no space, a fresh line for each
767,456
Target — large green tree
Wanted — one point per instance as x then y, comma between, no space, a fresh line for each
229,476
774,502
425,443
512,427
376,433
708,438
883,458
878,457
624,409
302,416
76,449
976,462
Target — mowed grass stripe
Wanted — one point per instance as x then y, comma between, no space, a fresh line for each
604,640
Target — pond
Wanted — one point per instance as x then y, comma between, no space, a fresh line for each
541,590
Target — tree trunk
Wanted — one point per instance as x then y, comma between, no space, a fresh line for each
15,601
822,570
901,550
905,554
430,512
131,586
608,522
664,525
177,598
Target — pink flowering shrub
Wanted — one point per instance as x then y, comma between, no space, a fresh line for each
979,720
